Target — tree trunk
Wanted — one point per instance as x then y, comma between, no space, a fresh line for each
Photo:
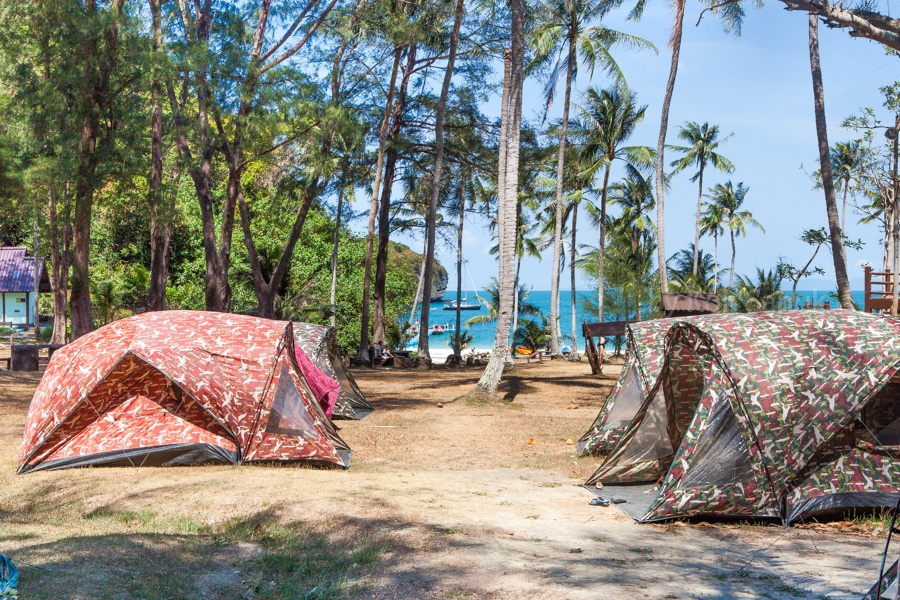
573,353
887,255
436,176
733,253
96,98
384,213
334,254
506,224
601,244
419,284
895,218
837,244
373,208
697,221
560,207
59,264
160,214
516,299
457,351
661,146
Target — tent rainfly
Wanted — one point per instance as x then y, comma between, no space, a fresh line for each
177,388
767,415
319,344
644,354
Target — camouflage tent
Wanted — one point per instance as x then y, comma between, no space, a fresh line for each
644,354
320,345
174,388
779,414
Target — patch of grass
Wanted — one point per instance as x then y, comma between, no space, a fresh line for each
641,550
551,484
453,531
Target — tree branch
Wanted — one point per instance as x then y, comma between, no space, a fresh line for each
873,26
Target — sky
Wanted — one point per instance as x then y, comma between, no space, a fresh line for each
757,88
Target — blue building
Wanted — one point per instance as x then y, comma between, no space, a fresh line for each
17,287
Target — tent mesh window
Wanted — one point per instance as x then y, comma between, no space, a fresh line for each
627,403
721,456
289,414
881,417
650,441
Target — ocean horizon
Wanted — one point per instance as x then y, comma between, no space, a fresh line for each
483,334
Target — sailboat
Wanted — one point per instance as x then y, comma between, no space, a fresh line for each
463,305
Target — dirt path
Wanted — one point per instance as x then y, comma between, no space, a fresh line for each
465,501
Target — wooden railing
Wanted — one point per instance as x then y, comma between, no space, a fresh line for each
879,291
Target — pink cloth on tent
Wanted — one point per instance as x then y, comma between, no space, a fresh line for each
324,387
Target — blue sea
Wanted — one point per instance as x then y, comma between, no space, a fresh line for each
483,335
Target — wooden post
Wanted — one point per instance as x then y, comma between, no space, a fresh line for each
867,289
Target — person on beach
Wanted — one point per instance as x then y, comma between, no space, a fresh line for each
383,356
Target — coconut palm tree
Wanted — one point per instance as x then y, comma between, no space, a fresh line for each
846,160
682,277
607,118
702,140
712,223
560,37
834,225
492,304
729,200
634,195
507,188
732,14
763,294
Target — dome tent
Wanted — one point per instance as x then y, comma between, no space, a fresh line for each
779,414
175,388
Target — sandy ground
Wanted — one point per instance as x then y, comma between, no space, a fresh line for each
480,501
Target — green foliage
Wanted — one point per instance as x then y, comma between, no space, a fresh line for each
760,295
531,334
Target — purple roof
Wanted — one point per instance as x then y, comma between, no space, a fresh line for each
17,270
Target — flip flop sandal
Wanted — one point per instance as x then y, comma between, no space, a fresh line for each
598,501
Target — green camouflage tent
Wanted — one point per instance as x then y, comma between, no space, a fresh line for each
320,345
779,414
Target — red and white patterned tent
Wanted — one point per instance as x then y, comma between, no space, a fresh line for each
177,388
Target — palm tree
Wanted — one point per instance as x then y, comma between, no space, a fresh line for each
732,14
507,188
492,304
560,35
682,277
846,161
703,140
607,119
764,294
634,195
834,225
712,223
729,200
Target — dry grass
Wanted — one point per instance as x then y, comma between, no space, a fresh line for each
472,499
267,532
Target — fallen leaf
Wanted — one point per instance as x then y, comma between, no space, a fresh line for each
570,442
531,441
